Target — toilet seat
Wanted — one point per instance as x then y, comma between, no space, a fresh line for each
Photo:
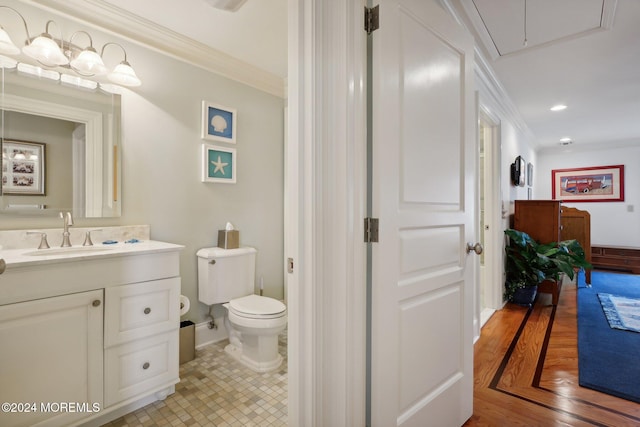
257,307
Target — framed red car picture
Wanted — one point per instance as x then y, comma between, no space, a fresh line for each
591,184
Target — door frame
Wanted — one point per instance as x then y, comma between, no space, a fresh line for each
327,182
494,259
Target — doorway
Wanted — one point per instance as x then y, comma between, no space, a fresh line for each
490,217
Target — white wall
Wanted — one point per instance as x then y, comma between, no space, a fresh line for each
612,223
515,138
161,164
514,144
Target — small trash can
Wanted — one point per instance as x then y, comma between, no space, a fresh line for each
187,341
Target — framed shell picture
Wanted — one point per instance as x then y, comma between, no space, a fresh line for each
219,123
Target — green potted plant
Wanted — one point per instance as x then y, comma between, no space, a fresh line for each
529,263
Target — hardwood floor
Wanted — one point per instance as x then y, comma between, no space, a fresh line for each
526,371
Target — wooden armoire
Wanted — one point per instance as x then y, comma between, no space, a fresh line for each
548,221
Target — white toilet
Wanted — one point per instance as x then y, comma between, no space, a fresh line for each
253,321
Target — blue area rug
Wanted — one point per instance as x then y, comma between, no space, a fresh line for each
608,359
621,312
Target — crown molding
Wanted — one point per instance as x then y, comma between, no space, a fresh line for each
485,76
493,95
121,23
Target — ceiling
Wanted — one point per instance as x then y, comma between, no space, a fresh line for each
582,53
256,33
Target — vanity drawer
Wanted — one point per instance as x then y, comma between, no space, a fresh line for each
141,366
142,309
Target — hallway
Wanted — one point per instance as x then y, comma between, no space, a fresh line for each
526,371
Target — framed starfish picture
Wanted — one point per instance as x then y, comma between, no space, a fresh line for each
219,122
218,164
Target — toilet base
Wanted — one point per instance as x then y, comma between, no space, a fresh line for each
261,367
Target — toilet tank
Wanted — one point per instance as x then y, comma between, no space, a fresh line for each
225,274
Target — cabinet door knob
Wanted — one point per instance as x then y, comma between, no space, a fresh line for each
146,365
96,303
147,310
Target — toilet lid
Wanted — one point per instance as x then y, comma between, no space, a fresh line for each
255,304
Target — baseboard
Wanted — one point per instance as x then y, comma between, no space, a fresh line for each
206,336
485,315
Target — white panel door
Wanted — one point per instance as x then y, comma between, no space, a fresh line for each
423,193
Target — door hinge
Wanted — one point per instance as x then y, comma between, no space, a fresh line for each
371,18
371,230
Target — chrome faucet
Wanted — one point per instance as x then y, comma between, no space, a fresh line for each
68,222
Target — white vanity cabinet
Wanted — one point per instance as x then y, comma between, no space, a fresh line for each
91,332
141,338
51,354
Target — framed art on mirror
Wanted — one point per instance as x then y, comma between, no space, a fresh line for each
23,167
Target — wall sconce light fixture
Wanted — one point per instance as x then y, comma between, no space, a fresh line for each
44,49
87,62
65,56
122,74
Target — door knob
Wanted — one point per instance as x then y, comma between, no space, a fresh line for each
477,248
3,265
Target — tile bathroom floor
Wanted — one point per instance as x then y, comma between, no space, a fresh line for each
216,390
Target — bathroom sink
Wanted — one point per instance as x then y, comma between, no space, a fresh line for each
67,251
33,274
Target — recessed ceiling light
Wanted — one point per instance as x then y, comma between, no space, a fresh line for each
566,141
558,107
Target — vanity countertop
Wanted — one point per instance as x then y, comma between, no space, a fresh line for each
42,273
16,258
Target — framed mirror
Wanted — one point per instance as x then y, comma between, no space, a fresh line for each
78,132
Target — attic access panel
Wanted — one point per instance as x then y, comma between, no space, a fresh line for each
501,23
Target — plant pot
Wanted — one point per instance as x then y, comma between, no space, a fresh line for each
524,296
551,286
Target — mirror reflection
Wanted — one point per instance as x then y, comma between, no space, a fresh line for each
59,149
